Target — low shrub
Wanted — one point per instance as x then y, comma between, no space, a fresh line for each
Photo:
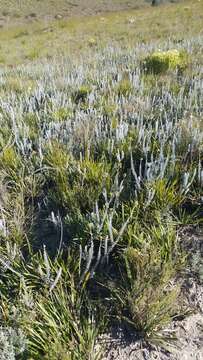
81,94
12,343
160,62
144,301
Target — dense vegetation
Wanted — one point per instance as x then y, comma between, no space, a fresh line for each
101,163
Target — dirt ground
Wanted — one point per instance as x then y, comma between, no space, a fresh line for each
188,331
14,12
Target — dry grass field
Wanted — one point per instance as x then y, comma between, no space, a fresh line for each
19,10
44,36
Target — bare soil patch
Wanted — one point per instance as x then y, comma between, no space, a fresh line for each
14,12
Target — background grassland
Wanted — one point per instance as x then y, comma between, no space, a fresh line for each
39,39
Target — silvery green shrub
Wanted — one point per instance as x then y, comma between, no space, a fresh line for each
12,343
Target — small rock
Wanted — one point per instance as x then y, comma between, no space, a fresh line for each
58,16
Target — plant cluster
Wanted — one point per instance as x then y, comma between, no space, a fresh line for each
100,163
161,61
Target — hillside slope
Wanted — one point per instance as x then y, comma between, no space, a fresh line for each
33,39
19,10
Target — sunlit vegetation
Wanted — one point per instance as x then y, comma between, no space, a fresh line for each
101,164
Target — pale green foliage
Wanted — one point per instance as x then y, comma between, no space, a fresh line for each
12,343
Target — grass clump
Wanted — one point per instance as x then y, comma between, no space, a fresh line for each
124,87
145,302
81,95
60,320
